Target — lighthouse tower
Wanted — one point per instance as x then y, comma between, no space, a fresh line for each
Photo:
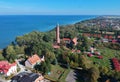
57,34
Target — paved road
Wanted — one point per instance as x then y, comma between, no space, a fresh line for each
71,76
3,80
22,68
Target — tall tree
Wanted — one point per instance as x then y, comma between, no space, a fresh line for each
85,63
85,43
47,38
10,53
94,74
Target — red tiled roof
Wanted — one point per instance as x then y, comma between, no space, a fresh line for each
75,41
34,59
99,35
118,36
114,41
90,55
100,57
116,64
87,34
97,53
106,36
78,51
75,51
92,35
66,39
95,35
56,46
110,37
5,66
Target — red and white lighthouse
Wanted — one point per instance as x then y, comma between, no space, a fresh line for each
57,34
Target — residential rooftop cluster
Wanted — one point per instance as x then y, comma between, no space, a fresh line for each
104,22
7,69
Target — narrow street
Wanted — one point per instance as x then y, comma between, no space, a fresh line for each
22,68
2,80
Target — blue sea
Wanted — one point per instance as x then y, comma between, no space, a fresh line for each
12,26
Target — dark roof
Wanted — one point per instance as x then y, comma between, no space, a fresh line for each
25,77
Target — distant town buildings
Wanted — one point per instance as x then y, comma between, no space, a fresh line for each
104,22
7,68
104,37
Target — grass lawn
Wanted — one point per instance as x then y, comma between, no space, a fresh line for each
63,77
1,57
58,73
107,55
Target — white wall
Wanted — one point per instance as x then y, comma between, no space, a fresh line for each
27,64
12,70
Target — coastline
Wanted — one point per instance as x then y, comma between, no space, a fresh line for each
39,26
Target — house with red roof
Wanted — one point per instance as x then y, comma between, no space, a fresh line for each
114,41
100,57
110,37
92,35
7,68
33,60
75,51
97,53
118,36
66,40
90,55
74,40
106,36
116,64
56,46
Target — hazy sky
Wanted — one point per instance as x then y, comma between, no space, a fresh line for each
67,7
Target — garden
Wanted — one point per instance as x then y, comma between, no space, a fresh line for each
57,73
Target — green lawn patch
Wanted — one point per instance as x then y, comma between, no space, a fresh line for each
63,77
57,73
1,57
107,55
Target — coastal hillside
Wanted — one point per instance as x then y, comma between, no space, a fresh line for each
90,48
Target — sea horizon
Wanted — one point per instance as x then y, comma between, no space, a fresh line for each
12,26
